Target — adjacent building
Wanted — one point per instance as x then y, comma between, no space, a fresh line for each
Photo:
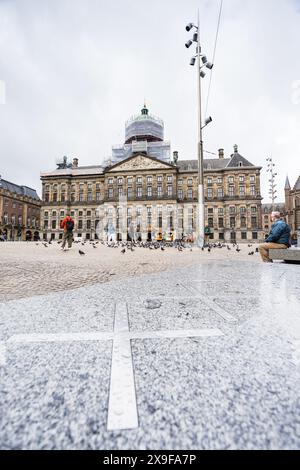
292,204
20,209
141,193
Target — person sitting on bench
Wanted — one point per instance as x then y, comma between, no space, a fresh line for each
278,239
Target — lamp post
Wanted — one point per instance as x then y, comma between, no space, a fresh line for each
202,62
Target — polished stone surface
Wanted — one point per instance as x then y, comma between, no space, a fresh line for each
238,389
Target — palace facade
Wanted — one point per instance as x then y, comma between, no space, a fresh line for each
20,209
141,193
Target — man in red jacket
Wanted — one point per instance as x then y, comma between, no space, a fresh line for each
67,225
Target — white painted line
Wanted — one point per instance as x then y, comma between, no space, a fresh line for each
122,408
60,337
220,311
2,353
176,334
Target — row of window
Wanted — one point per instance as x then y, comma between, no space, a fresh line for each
18,220
149,180
210,194
14,205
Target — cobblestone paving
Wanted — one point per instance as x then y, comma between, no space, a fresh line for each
28,269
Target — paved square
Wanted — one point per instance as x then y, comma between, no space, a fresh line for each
197,358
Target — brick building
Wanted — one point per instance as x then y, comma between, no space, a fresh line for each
292,204
20,209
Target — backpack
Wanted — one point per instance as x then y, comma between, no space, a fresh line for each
69,225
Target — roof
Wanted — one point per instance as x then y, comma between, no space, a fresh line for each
297,185
20,190
287,183
78,171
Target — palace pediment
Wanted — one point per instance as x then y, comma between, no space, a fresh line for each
140,162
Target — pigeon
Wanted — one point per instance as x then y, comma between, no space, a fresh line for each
209,250
45,244
238,249
228,248
162,248
81,252
123,251
94,246
257,250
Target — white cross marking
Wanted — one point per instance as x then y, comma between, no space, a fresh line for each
122,409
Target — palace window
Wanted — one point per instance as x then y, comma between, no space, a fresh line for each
139,180
231,191
159,191
210,210
242,190
180,194
149,179
209,193
243,210
221,222
253,209
209,182
98,195
244,235
211,222
243,222
120,192
120,180
232,222
149,191
90,196
231,210
230,179
190,194
180,182
254,222
129,191
220,211
159,179
220,180
252,179
252,191
220,193
139,191
53,224
80,224
190,182
242,179
169,178
80,214
170,190
88,224
110,181
129,180
110,193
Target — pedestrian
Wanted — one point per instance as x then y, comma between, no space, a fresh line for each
278,239
67,224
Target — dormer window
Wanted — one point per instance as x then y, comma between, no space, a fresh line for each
240,164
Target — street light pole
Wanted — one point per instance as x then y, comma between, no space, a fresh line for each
201,201
202,62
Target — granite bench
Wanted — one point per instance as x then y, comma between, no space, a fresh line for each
291,255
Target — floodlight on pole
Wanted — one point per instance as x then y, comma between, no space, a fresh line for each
201,62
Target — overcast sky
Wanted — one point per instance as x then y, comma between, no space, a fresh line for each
75,70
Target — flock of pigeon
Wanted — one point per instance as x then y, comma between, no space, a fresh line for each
133,245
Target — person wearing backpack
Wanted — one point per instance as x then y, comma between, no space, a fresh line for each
67,224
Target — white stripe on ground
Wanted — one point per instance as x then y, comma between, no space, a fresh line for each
220,311
122,408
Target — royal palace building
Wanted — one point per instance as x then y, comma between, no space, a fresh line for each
20,209
143,193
